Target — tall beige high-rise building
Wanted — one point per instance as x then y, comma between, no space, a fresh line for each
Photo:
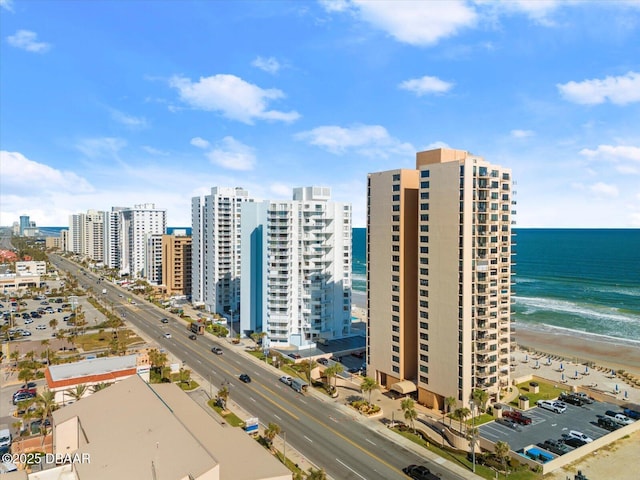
439,277
176,263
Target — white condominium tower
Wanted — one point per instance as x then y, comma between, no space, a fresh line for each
137,224
215,267
439,277
296,268
86,235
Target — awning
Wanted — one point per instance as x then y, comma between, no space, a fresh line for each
404,387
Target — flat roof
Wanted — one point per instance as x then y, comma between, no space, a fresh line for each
94,366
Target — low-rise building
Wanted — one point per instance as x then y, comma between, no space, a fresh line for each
137,430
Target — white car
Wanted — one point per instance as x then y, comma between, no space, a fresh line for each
167,335
286,379
580,435
552,406
41,327
27,321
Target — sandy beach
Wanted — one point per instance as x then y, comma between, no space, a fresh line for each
573,346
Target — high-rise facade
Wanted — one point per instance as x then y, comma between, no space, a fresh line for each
111,222
439,276
296,268
137,225
25,222
176,263
215,268
86,235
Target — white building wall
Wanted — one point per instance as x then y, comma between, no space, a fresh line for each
136,224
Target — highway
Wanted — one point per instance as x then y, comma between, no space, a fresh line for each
337,441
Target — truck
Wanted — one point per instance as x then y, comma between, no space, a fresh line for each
197,328
299,385
5,438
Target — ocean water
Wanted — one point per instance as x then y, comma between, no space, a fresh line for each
582,281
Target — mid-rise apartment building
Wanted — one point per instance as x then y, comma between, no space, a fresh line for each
137,225
439,276
215,268
176,263
296,268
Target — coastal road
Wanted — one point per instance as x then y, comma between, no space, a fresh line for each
339,441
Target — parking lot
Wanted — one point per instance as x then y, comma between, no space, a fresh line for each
549,425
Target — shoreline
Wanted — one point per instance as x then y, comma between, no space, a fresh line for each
605,351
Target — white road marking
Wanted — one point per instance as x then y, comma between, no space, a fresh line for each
308,439
349,468
252,399
369,441
303,401
277,416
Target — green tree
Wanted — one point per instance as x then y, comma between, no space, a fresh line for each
14,356
26,375
314,474
461,414
257,338
270,433
78,392
450,404
47,403
407,404
158,360
308,365
329,373
45,343
368,385
501,452
338,368
53,324
410,415
480,398
185,376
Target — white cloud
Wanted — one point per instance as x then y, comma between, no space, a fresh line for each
200,142
26,40
335,5
232,154
537,10
415,23
19,174
424,85
619,152
155,151
522,133
604,189
270,65
618,90
101,147
7,5
233,97
366,139
128,120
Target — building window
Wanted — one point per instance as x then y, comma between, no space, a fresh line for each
424,195
395,318
395,308
396,177
424,369
424,336
424,228
424,325
396,208
395,358
396,369
396,198
425,348
424,206
424,379
396,187
396,348
395,338
424,314
424,238
396,218
396,328
424,174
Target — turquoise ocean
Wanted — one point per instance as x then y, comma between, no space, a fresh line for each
577,281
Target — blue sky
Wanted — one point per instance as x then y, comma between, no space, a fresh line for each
117,103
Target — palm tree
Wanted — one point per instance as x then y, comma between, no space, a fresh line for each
14,356
338,369
185,376
308,365
78,392
411,414
257,338
464,413
223,396
45,343
53,324
450,403
368,385
329,372
316,474
271,431
157,359
502,452
99,386
47,403
26,375
407,404
480,398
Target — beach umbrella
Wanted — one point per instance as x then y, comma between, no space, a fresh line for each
586,369
576,373
563,377
536,363
617,387
561,367
613,372
526,358
626,394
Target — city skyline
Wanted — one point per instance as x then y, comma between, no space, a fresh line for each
283,95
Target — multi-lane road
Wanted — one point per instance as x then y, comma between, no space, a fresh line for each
337,440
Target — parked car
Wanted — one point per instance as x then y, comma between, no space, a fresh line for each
574,442
419,472
618,417
286,379
608,423
295,356
552,406
584,397
571,399
42,326
635,415
323,361
580,435
20,397
554,446
508,422
245,378
216,350
517,416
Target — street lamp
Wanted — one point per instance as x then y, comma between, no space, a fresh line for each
473,434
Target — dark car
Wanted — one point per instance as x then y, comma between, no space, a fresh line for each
635,415
245,378
608,424
323,361
419,472
508,422
193,337
574,442
572,399
164,320
22,396
216,350
295,356
28,385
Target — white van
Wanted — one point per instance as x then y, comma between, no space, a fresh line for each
580,435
